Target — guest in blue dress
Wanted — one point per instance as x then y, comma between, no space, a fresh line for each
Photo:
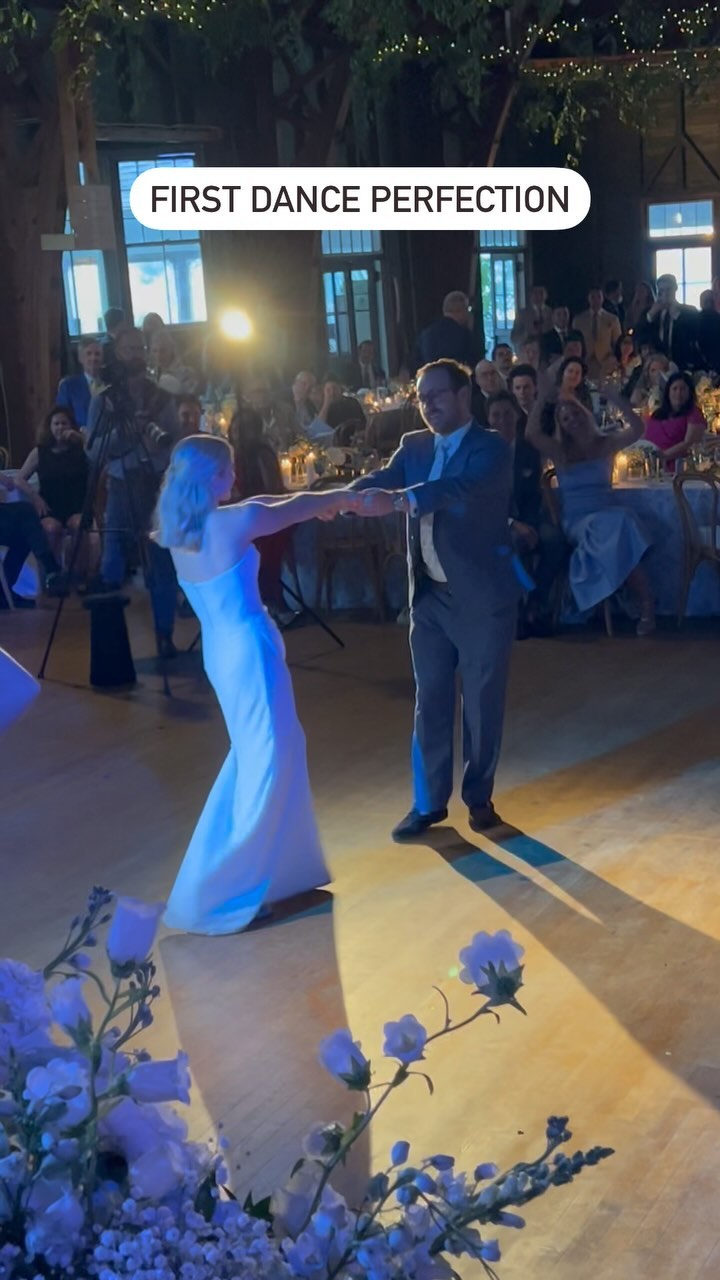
607,539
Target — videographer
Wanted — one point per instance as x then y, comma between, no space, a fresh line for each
142,424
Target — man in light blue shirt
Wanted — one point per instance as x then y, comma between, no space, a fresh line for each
453,481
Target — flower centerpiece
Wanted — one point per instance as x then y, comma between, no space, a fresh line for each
98,1179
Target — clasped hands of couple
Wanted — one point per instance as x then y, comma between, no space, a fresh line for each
370,503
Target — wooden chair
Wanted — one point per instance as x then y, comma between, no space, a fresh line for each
3,580
4,586
700,542
351,539
550,494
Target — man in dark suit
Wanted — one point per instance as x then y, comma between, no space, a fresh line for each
613,300
554,340
540,543
365,372
674,326
453,482
76,391
452,337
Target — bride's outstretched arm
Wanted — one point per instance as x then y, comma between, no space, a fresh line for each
259,517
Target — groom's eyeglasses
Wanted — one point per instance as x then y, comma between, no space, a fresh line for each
429,397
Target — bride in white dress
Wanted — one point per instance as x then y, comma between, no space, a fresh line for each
257,841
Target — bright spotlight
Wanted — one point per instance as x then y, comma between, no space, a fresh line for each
236,325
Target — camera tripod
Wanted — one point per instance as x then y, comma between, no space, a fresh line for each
303,610
118,438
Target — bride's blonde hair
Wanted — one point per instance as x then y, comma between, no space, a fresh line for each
186,497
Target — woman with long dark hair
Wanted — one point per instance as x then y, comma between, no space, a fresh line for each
60,463
679,423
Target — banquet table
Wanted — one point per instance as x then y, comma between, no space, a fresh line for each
653,501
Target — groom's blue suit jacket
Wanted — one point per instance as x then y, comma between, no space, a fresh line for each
470,503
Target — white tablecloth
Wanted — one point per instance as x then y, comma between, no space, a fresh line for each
654,503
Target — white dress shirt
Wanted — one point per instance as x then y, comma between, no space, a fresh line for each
445,448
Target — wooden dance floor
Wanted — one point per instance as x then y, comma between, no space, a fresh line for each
610,774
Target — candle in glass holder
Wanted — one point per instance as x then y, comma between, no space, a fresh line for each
310,472
621,468
286,469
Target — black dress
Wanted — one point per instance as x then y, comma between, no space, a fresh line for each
62,480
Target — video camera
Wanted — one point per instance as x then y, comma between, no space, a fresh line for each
115,376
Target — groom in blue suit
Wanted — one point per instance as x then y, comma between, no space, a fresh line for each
454,483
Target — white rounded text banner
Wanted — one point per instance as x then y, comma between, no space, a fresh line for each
361,199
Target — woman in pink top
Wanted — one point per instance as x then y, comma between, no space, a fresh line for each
678,424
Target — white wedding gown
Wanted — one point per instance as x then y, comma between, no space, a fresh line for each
17,690
257,841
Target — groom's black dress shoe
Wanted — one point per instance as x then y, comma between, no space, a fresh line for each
484,818
416,823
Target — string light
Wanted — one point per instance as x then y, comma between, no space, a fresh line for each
692,24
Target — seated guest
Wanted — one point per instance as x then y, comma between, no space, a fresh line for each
553,342
451,337
608,540
486,382
643,299
189,416
74,392
257,471
278,420
61,465
523,386
366,373
572,384
303,406
600,331
503,359
650,387
630,365
21,532
168,369
678,424
539,542
336,409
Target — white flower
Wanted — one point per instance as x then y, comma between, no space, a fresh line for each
132,1129
56,1218
165,1081
13,1172
132,932
68,1007
63,1081
290,1205
405,1040
344,1059
159,1171
492,964
24,1014
322,1140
